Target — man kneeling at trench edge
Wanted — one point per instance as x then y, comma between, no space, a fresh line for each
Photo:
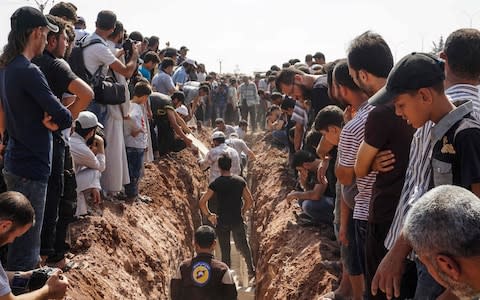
203,277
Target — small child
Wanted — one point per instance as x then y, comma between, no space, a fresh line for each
136,139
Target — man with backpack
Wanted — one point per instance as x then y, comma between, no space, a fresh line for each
93,54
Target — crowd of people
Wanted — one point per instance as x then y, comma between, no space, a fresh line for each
376,151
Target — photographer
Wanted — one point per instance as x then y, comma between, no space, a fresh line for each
88,153
16,217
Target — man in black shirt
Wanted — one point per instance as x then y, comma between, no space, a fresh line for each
166,120
61,80
229,191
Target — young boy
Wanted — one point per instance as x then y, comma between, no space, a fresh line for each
136,139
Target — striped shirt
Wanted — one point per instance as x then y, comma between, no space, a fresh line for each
350,139
419,172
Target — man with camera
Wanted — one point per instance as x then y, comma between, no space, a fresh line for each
16,218
99,55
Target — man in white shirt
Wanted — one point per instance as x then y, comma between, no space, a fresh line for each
220,148
99,55
243,150
88,154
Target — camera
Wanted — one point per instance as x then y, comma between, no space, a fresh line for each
39,278
128,48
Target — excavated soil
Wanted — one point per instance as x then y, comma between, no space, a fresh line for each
293,262
132,251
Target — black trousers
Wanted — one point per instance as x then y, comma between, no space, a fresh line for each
375,251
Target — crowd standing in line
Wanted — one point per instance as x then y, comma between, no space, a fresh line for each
385,155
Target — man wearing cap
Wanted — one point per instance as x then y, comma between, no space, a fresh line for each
88,153
30,112
182,55
462,74
80,28
180,76
210,161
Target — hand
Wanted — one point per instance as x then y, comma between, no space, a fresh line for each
389,275
167,44
96,197
348,114
291,196
322,170
57,285
384,161
342,236
127,117
213,219
48,123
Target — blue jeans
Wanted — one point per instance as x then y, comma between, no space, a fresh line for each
321,211
100,110
135,162
24,252
280,137
427,287
220,109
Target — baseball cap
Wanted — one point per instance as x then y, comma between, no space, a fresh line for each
190,62
29,17
169,52
414,71
88,119
218,135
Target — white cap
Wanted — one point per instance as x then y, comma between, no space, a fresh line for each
88,119
218,135
190,62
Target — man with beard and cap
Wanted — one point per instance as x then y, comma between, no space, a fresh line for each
30,112
443,228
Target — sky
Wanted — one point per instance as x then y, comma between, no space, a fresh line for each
252,35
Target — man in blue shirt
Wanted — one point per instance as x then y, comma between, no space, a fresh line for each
30,112
180,76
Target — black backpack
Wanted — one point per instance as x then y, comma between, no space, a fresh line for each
106,88
77,62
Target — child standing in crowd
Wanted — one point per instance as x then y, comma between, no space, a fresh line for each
136,139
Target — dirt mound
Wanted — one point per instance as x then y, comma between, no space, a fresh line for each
293,262
133,250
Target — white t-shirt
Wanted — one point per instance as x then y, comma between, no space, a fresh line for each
136,121
182,110
97,55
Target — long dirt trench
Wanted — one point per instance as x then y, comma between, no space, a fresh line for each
131,251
